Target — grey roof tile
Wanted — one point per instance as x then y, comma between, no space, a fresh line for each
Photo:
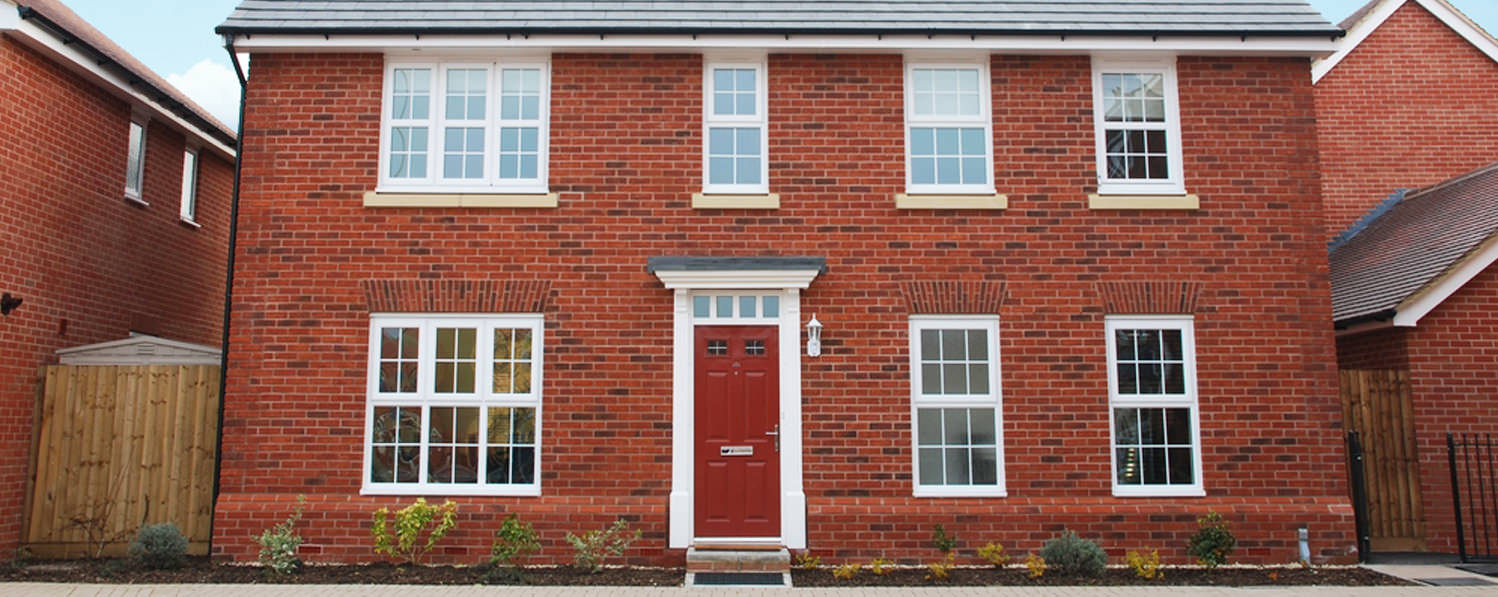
1412,243
1289,17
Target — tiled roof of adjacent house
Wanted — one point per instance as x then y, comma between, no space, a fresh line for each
157,88
1277,17
1412,244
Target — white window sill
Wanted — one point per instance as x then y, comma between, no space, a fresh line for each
477,200
735,201
442,490
960,492
933,201
136,200
1158,491
1113,201
189,222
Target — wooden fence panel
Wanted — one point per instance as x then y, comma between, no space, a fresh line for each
118,447
1376,403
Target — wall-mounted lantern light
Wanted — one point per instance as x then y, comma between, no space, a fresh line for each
813,337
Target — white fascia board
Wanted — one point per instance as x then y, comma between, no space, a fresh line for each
1418,305
716,279
1044,44
46,43
1442,10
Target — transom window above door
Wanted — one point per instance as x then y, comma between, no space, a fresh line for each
735,307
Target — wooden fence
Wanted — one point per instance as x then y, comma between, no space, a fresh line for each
119,446
1376,403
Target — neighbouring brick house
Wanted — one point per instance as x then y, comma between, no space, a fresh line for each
1070,265
116,220
1409,100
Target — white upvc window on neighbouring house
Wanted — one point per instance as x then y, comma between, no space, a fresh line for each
1138,127
454,405
465,126
949,128
735,128
1156,443
189,208
135,161
956,406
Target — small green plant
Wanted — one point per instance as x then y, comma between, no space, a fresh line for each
942,541
159,547
1069,554
402,541
993,553
1036,565
594,546
941,568
514,543
847,571
279,544
881,566
1213,542
1144,566
806,561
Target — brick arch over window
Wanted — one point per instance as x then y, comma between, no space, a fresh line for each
1141,298
955,297
456,296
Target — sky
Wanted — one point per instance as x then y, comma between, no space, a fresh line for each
175,38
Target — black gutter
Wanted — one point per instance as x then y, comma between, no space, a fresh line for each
223,362
1385,315
1333,33
161,96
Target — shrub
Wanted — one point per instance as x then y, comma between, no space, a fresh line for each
881,566
515,542
409,524
806,561
159,547
942,541
1036,565
279,544
594,546
1070,554
1145,567
847,571
993,553
1213,542
941,568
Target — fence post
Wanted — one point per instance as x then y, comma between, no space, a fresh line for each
1359,494
1456,498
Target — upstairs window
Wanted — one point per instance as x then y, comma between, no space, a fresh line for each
949,146
1138,128
470,126
737,140
189,207
135,161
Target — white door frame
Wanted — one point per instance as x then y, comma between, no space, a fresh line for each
787,284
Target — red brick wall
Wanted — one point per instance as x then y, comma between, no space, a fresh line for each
1381,349
1411,106
626,157
1455,389
91,266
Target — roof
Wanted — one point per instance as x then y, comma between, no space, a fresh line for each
1433,237
59,17
1364,21
140,349
1143,17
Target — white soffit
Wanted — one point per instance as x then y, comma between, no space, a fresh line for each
1375,18
140,350
1409,311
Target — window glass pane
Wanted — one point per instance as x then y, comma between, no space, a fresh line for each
771,306
1151,378
725,306
923,171
382,465
923,141
931,466
1180,466
928,426
701,306
744,80
498,465
723,79
972,141
525,426
1152,426
1154,466
953,345
948,171
748,171
1175,379
720,170
1178,426
523,465
958,466
446,342
983,426
745,104
1127,466
410,425
974,171
720,141
748,141
499,425
1171,341
954,426
977,375
442,425
522,378
746,306
930,379
523,343
947,141
1128,378
985,466
1126,426
954,378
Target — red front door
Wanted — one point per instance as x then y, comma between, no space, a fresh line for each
737,420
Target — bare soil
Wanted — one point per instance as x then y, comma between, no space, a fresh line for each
1349,576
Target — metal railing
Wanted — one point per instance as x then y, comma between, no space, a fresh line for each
1473,459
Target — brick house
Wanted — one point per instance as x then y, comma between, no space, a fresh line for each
117,191
1069,266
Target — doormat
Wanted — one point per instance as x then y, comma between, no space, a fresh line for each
769,579
1456,581
1483,569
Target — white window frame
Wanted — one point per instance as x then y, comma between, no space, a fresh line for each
984,119
138,169
994,399
1175,184
1188,400
760,120
437,121
190,166
426,398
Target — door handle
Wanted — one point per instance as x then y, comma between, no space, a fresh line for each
776,435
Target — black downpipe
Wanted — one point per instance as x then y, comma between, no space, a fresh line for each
1359,482
223,364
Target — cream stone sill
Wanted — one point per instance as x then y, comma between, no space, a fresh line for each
995,201
1095,201
375,199
712,201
